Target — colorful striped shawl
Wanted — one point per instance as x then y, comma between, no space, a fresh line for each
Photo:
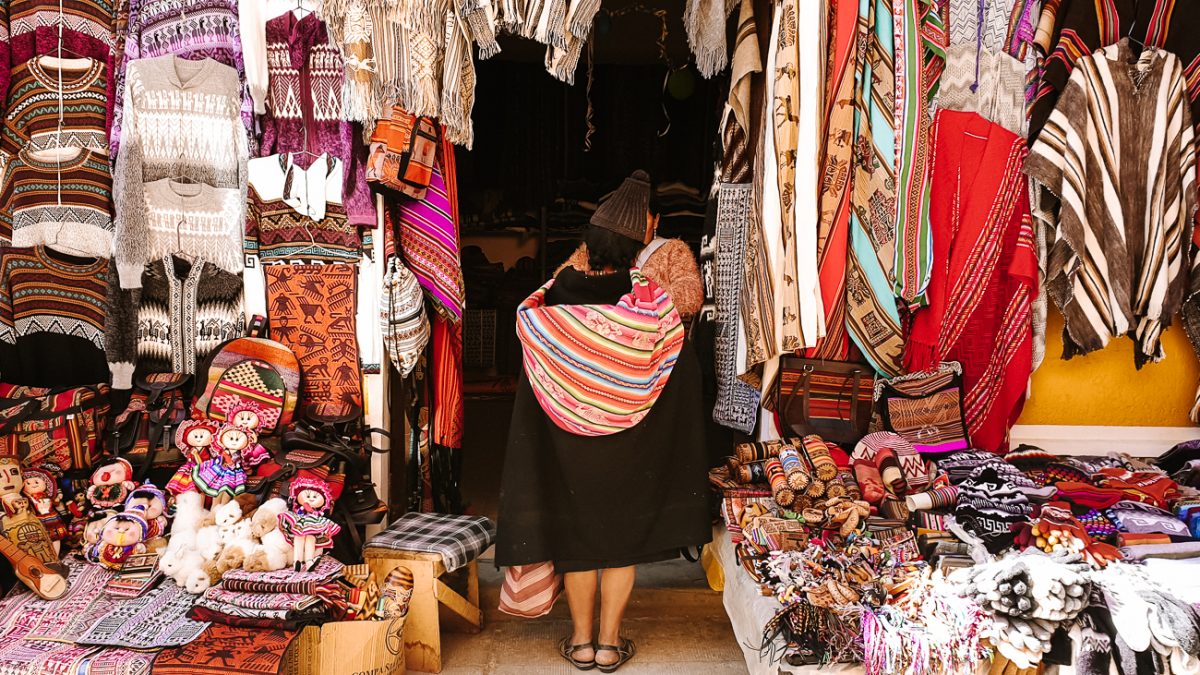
598,369
429,238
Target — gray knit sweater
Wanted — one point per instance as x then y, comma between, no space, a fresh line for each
182,118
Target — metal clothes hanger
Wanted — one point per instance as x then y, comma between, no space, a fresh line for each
1129,35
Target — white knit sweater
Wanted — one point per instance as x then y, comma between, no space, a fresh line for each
182,118
194,218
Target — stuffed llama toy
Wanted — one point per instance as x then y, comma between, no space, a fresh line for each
182,558
225,544
272,551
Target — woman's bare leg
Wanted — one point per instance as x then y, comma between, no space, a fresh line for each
581,597
616,585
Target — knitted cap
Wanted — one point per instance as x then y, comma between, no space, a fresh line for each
624,212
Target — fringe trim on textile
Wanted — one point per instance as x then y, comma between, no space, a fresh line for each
580,18
706,33
481,26
552,24
359,102
562,64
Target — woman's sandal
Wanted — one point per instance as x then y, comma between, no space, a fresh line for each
625,651
567,650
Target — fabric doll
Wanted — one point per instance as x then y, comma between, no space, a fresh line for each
222,476
151,503
306,527
194,438
111,483
121,537
91,531
248,418
19,525
42,492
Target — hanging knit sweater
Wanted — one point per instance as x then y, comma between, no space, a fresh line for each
36,98
184,312
55,199
29,28
190,29
194,218
181,119
302,105
52,313
296,213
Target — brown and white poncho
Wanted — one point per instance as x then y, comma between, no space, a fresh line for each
1118,151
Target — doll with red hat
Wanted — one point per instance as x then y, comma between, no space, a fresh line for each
307,527
42,492
111,483
194,438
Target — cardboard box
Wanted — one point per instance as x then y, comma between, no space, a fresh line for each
348,648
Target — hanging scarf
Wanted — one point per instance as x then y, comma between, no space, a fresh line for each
737,402
834,227
429,237
704,22
779,175
747,60
920,52
871,315
985,274
598,369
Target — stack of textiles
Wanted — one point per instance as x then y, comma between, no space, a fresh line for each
284,599
1008,555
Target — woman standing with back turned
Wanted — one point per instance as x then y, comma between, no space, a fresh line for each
606,458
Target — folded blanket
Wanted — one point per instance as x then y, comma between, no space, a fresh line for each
262,601
326,570
299,620
1177,551
256,613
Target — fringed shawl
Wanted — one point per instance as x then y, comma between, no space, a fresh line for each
598,369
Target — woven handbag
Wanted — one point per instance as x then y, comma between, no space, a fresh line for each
832,399
62,429
926,408
402,317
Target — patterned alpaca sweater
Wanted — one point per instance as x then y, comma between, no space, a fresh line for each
184,312
29,28
191,29
196,218
181,119
33,103
303,104
63,202
297,213
52,313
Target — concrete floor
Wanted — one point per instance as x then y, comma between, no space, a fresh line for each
679,626
678,623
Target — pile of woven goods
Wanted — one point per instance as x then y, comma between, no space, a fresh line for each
910,561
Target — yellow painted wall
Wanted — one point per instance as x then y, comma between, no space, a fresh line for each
1104,388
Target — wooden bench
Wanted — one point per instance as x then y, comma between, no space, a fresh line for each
439,599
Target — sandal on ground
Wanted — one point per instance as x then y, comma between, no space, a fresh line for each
625,651
567,650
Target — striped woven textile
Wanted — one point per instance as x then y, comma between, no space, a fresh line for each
598,369
530,591
428,230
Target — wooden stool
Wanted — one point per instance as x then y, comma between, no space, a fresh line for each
433,602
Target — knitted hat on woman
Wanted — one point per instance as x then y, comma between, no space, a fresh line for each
624,212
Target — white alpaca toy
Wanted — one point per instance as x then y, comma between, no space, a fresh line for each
182,558
273,552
